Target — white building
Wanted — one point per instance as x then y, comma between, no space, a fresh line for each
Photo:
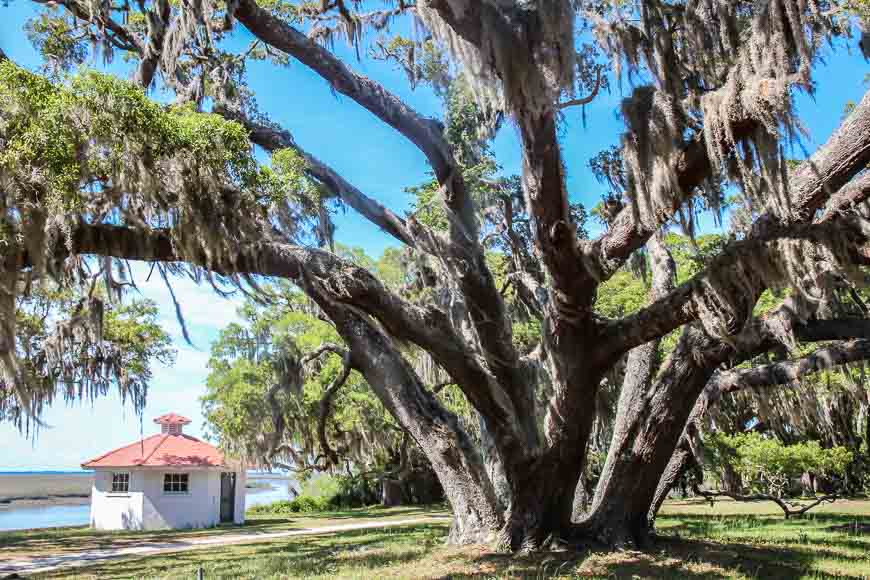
168,480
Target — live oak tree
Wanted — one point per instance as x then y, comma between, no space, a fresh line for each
813,400
90,166
77,343
322,418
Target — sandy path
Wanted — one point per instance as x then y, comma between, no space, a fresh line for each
46,563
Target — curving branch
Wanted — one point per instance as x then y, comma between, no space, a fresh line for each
787,508
326,408
425,133
319,271
321,350
790,371
627,233
435,429
680,306
272,137
588,98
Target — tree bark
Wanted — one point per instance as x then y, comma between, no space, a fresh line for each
627,488
581,500
640,369
687,454
683,460
454,458
391,492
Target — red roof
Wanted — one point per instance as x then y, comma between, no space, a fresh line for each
163,450
171,419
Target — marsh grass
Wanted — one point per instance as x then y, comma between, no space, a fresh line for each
44,486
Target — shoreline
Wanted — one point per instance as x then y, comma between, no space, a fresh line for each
11,503
44,490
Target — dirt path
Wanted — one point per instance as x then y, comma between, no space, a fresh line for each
49,562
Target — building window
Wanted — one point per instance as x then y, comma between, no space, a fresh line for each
120,482
175,483
171,428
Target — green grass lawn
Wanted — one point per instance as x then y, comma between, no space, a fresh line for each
729,541
76,539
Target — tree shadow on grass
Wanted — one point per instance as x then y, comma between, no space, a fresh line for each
668,558
418,551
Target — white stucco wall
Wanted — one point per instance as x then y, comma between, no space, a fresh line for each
199,508
146,506
241,482
116,511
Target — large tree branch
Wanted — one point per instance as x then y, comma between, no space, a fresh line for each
845,153
789,372
640,370
425,133
463,255
833,165
506,35
673,406
758,342
730,274
554,233
435,429
312,268
272,138
627,233
848,198
762,336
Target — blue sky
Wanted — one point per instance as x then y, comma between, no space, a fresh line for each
378,161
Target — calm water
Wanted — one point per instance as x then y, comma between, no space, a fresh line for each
79,515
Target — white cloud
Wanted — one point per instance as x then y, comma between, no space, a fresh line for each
76,433
204,311
84,430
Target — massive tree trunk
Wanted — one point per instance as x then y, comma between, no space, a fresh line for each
638,458
454,458
640,369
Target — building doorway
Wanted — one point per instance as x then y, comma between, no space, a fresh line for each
228,497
